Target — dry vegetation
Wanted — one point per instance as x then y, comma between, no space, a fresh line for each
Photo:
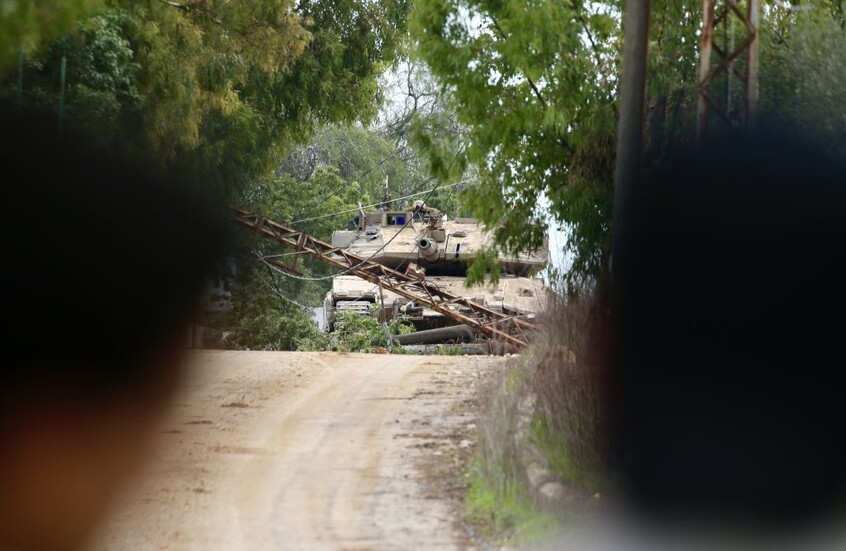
550,398
566,369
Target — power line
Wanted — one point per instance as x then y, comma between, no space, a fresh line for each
283,297
360,175
282,255
342,272
351,268
347,211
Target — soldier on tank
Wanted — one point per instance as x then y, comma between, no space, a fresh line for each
426,213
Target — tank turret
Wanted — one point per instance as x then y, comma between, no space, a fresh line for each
427,237
424,242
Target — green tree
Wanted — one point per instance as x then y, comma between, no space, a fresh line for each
101,77
804,68
263,317
220,89
364,158
254,78
535,86
274,310
27,24
537,129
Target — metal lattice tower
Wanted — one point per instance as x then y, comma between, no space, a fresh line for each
725,16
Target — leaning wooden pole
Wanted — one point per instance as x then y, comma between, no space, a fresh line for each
631,125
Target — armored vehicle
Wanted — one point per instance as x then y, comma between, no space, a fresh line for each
423,242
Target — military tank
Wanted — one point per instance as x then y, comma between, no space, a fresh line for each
424,242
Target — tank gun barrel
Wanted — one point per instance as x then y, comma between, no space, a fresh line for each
428,248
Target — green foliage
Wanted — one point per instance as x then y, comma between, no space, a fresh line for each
262,317
285,198
27,24
214,91
268,302
344,166
804,67
101,73
362,158
253,78
553,443
485,266
503,516
534,87
673,58
537,129
446,350
356,333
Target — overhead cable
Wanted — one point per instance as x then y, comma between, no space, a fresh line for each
347,211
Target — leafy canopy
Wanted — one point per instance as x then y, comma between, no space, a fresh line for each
533,84
211,90
27,24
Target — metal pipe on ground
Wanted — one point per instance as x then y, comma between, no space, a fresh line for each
451,333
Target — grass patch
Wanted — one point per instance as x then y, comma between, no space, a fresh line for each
554,445
497,503
500,514
515,380
447,350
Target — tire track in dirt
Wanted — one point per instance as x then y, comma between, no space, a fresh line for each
308,451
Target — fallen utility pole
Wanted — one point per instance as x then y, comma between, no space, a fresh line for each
495,325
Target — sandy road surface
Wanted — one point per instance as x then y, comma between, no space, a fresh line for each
309,451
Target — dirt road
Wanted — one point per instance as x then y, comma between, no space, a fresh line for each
309,451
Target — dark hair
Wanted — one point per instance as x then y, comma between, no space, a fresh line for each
103,262
730,329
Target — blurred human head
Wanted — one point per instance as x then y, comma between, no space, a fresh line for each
103,263
729,325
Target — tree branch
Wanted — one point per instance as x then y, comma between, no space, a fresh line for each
579,8
528,79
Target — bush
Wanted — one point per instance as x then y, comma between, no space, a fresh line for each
356,333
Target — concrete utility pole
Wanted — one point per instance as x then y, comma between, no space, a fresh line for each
728,12
632,114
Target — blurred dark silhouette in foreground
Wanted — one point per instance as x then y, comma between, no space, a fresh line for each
103,262
729,319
